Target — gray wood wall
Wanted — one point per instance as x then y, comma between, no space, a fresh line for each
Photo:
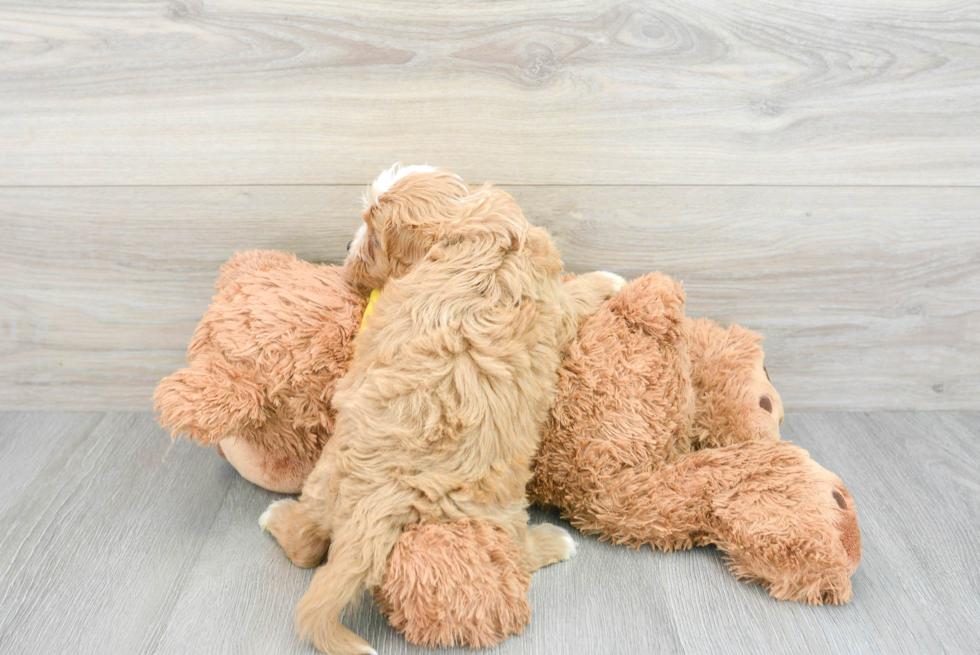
809,169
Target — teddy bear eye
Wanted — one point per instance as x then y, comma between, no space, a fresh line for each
765,403
374,240
839,497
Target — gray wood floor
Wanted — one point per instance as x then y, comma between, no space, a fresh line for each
114,540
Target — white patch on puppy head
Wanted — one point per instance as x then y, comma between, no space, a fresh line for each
388,178
357,245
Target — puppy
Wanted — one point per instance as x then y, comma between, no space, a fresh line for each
440,413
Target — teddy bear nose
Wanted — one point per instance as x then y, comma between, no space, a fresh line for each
765,403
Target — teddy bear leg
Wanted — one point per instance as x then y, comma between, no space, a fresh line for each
463,583
786,522
298,527
781,519
638,506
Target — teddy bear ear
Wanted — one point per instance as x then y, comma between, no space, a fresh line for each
251,262
653,303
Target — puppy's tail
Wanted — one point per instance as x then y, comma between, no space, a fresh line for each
357,560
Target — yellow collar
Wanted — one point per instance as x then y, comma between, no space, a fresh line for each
375,294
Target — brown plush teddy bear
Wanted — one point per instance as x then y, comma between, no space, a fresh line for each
664,432
264,362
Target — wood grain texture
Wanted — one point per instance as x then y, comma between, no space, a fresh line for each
890,464
869,297
94,553
28,441
239,584
120,546
927,516
241,592
310,91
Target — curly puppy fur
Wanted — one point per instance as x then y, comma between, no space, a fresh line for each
440,413
263,366
665,431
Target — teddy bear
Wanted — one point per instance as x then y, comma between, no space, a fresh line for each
664,432
263,365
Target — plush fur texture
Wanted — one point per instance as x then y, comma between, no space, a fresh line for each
665,432
263,366
441,411
459,583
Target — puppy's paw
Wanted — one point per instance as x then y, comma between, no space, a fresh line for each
618,282
271,510
300,534
550,544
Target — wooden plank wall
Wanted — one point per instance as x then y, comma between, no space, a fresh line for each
810,169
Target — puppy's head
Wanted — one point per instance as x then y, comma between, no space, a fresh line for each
405,211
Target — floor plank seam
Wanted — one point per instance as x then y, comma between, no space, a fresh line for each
188,569
670,605
50,502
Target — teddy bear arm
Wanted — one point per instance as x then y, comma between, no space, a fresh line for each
785,522
207,404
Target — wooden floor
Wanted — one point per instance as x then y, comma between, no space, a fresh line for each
114,540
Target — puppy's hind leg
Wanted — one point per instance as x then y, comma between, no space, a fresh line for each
547,544
335,584
357,560
299,528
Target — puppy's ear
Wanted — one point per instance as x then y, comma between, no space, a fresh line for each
410,217
492,222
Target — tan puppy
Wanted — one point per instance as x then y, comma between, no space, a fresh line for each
441,411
